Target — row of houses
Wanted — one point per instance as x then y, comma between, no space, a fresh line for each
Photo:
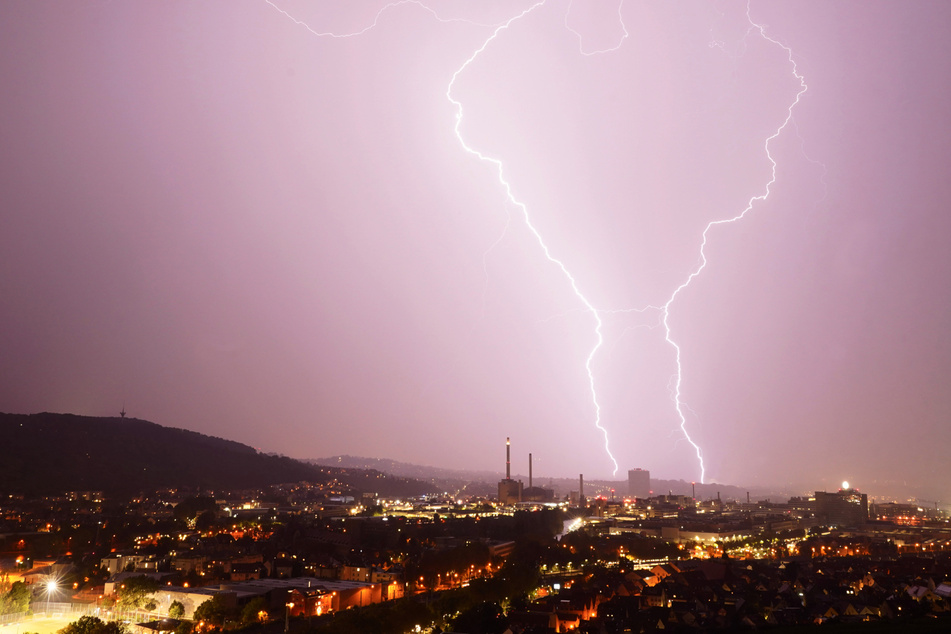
702,595
299,596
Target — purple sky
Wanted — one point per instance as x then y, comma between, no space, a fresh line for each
231,220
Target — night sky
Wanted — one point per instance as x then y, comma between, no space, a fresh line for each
266,221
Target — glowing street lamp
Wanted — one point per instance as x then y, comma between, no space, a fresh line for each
50,589
287,617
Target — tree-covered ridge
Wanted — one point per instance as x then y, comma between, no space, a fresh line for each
50,453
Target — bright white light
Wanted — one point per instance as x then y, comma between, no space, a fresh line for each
845,484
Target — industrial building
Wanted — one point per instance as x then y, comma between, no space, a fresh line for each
510,491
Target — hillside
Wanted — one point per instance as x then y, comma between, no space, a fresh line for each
407,470
51,453
48,453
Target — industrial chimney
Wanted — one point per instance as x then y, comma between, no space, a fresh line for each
529,471
508,457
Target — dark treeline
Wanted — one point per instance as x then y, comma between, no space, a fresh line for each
51,453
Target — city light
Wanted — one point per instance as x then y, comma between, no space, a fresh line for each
50,589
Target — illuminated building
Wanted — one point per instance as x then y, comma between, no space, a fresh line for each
846,507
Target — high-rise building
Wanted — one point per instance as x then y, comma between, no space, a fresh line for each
639,483
846,507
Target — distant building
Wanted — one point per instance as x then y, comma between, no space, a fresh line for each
846,507
114,564
538,494
510,491
356,573
899,513
639,483
533,493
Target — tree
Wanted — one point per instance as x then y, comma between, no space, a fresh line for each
190,508
93,625
389,617
16,599
176,610
214,611
83,625
206,521
485,618
250,612
135,591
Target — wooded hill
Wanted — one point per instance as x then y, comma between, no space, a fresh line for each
51,453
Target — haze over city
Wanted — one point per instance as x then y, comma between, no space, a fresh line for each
270,222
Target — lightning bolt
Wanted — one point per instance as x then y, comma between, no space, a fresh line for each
663,310
581,50
497,163
506,186
376,19
678,382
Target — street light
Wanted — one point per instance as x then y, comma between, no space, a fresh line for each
287,616
50,589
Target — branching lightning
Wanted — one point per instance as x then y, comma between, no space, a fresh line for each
497,163
678,403
620,17
665,309
376,19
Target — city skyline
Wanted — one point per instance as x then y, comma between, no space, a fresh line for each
409,230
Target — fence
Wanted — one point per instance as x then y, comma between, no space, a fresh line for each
72,611
15,617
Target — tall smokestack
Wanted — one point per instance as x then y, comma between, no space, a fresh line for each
508,458
581,487
693,490
529,471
